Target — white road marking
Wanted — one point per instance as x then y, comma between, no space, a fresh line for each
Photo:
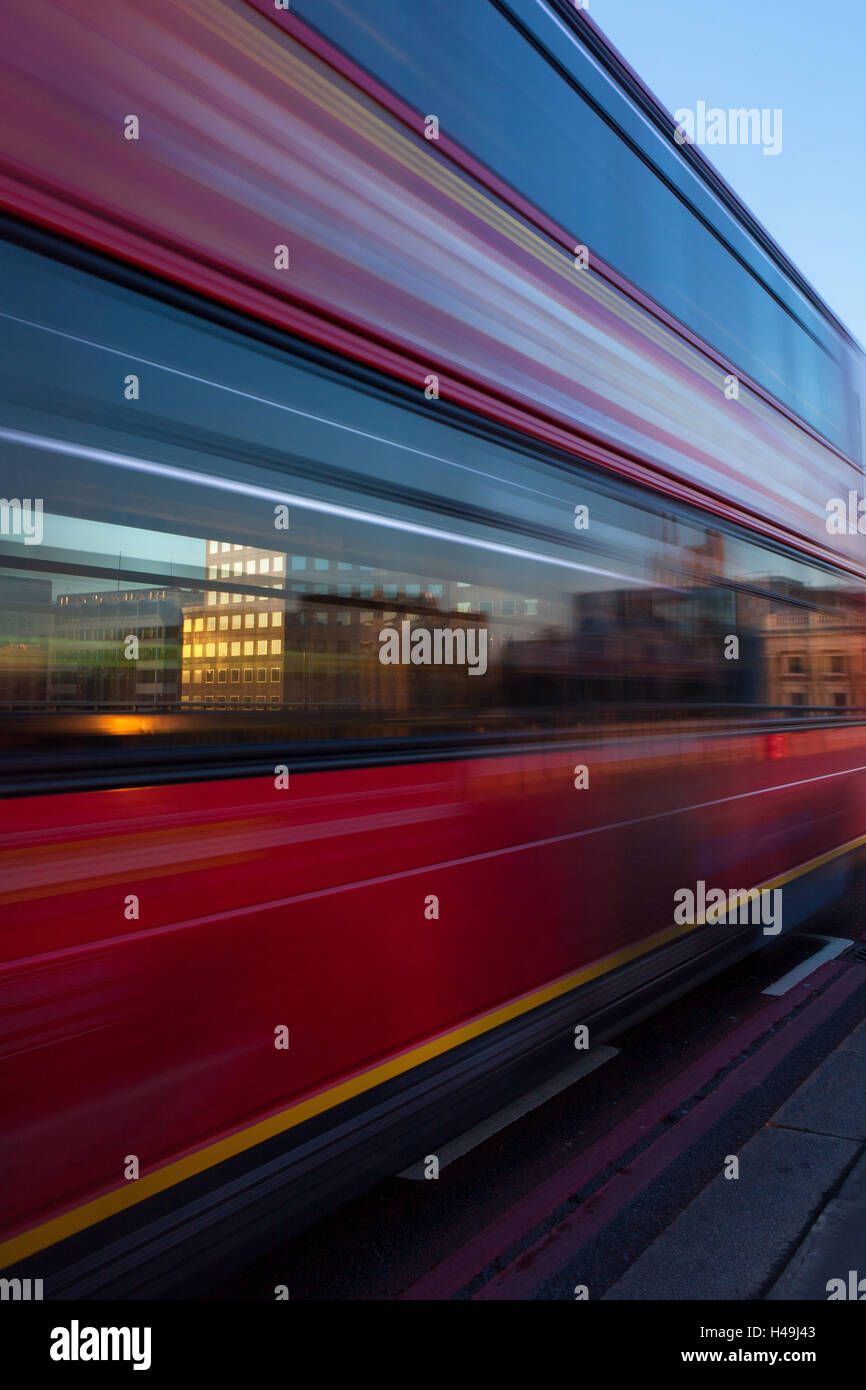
447,1153
834,947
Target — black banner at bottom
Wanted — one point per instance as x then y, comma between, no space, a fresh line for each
219,1339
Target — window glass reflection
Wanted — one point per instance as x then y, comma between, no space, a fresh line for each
559,646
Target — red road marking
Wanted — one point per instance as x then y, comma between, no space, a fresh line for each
458,1269
564,1240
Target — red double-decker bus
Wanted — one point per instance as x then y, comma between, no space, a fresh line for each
321,325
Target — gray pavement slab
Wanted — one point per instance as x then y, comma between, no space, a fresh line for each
856,1041
727,1243
832,1100
834,1248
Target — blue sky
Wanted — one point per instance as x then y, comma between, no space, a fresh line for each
804,57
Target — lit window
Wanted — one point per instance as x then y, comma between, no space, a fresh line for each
212,546
196,676
224,545
210,649
261,648
276,618
187,624
223,649
211,624
264,565
249,648
251,566
278,564
236,649
211,571
276,646
224,598
249,620
199,624
225,571
238,567
186,650
198,650
185,677
224,622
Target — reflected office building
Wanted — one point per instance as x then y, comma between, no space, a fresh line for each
814,652
303,632
25,639
92,662
233,649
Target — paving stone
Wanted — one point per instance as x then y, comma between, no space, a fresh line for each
731,1238
832,1100
856,1041
834,1247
